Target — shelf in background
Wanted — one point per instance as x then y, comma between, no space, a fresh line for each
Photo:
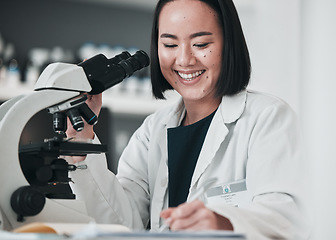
116,102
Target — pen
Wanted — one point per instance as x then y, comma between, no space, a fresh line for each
202,188
199,192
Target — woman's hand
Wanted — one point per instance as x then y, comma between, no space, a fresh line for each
94,102
195,216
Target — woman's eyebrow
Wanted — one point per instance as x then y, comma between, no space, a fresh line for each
194,35
167,35
199,34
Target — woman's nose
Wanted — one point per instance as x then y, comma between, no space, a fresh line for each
185,57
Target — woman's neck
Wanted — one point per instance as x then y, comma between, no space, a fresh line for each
197,110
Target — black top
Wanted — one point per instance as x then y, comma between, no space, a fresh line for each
184,146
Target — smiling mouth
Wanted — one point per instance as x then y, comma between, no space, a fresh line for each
190,76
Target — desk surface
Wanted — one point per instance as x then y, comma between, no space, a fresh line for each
224,235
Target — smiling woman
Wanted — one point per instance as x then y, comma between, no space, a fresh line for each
231,51
218,129
190,56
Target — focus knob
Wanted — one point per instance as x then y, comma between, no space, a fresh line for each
27,201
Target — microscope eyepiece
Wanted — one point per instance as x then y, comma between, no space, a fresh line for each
99,64
104,73
117,58
138,61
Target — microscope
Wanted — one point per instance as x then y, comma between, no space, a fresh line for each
34,177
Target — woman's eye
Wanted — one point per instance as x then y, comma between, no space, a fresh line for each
169,45
201,45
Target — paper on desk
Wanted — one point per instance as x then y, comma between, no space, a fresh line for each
27,236
185,235
92,230
70,228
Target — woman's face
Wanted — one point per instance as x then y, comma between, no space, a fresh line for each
190,45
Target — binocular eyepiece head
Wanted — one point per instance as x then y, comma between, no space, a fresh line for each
104,73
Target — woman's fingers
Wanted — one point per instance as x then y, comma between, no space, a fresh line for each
195,216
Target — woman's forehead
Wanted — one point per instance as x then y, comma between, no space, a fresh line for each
187,14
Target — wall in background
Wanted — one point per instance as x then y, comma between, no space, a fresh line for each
272,30
318,116
69,24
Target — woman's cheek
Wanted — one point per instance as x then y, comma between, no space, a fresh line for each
165,57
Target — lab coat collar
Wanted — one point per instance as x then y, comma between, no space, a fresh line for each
175,117
231,108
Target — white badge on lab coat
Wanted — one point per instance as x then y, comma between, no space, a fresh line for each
234,194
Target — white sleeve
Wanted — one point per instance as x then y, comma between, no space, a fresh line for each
271,216
104,197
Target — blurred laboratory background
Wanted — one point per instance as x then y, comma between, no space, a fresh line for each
292,48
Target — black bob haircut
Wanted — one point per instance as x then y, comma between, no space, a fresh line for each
236,65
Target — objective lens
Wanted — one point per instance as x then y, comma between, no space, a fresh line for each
89,116
59,122
75,119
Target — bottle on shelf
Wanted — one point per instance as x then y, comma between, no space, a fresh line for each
12,72
37,58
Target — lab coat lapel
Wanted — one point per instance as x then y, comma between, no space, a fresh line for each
230,109
172,120
160,202
216,134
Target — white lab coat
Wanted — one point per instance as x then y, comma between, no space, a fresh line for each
252,136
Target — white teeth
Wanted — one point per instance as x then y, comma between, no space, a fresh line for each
190,76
